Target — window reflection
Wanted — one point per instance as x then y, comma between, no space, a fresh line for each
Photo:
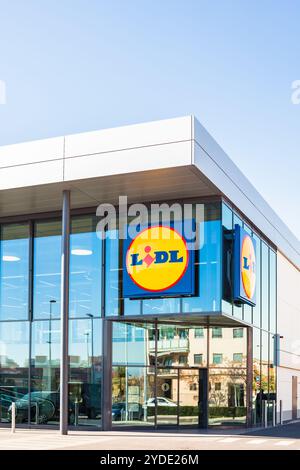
257,307
273,274
227,225
112,274
256,385
85,268
85,356
237,309
209,300
133,344
227,396
265,286
14,269
14,362
133,399
45,372
46,270
227,351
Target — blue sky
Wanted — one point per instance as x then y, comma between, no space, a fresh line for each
77,65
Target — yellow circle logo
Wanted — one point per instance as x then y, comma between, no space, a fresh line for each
157,258
248,263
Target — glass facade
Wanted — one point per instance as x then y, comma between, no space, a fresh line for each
30,322
174,360
165,371
156,374
263,316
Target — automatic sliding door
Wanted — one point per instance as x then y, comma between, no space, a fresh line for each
189,397
167,397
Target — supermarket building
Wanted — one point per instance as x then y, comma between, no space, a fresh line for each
90,341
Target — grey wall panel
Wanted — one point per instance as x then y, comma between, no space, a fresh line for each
211,160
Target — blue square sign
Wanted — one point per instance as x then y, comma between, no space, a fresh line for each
158,261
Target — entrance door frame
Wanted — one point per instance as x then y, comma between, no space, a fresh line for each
202,397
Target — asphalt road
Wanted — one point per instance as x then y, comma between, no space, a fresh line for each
287,431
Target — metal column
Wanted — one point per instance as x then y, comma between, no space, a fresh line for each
106,398
249,376
65,263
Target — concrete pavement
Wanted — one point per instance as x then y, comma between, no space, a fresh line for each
279,438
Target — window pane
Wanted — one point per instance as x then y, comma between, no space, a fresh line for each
14,361
272,368
85,356
85,268
237,310
133,344
227,397
238,357
265,286
216,332
133,394
199,332
47,267
227,224
112,274
265,362
45,372
227,217
238,332
209,264
217,358
179,344
257,307
14,271
224,349
256,388
198,359
273,321
248,313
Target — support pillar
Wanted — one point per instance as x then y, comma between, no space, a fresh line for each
249,383
106,387
64,314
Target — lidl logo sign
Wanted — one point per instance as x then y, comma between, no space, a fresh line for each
157,262
244,267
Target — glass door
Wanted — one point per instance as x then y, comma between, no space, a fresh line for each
181,396
167,397
189,397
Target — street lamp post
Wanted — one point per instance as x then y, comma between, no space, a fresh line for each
52,301
87,334
92,345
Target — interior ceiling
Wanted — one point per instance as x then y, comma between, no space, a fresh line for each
163,184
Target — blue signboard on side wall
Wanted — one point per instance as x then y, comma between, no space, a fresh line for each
244,267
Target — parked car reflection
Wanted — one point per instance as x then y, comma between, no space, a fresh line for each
134,411
44,407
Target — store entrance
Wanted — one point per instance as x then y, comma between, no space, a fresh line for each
181,397
167,396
